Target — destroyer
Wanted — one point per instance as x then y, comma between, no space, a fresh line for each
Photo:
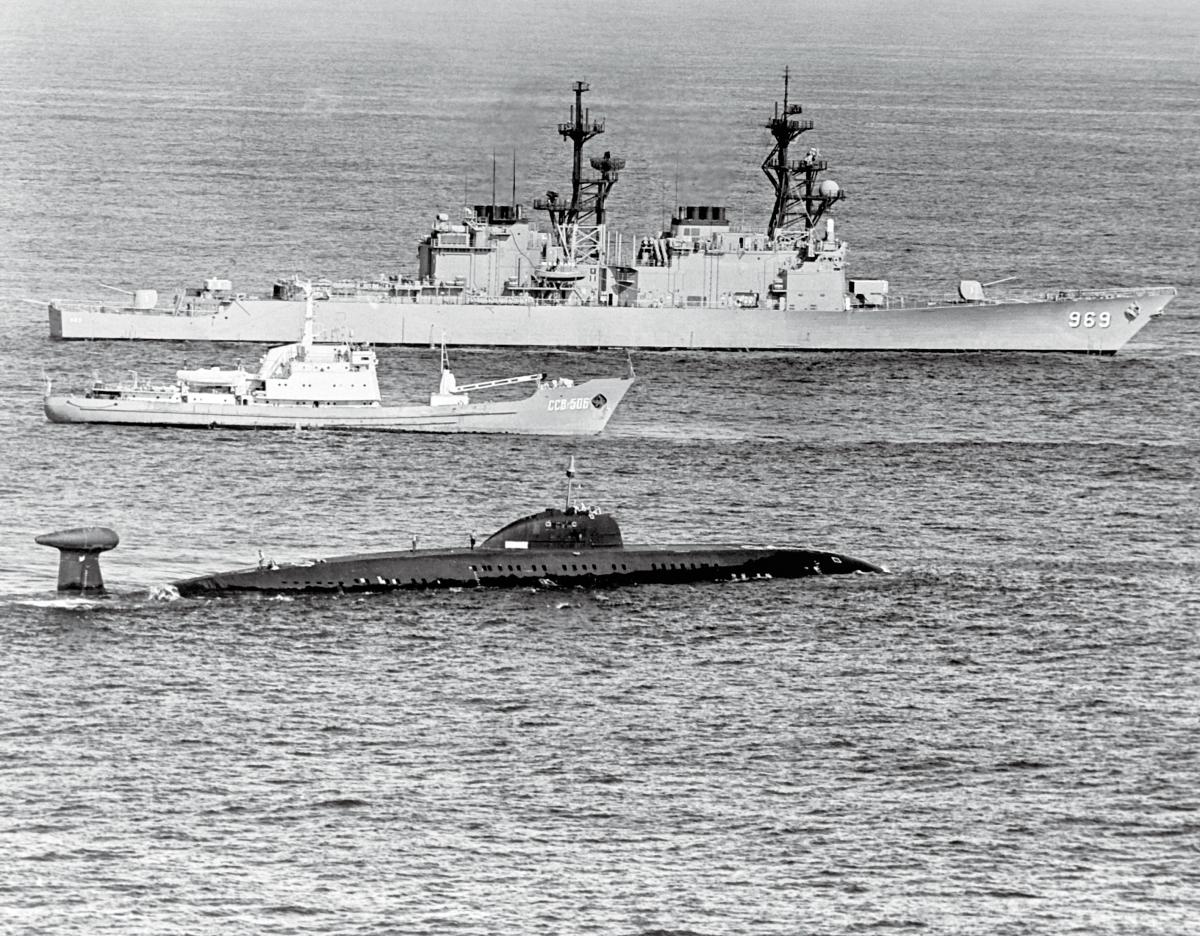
571,545
333,385
495,279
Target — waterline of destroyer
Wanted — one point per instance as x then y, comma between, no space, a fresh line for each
333,385
495,279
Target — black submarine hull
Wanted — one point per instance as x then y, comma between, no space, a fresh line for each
515,568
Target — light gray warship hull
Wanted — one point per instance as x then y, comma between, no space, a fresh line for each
494,278
1091,323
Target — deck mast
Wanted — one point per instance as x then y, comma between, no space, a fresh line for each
579,223
800,200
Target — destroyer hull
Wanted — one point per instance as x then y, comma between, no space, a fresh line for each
583,409
1094,323
522,568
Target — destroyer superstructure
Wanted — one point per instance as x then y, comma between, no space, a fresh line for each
494,277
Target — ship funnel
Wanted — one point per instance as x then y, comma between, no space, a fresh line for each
309,329
79,556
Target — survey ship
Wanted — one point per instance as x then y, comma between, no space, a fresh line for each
315,384
495,277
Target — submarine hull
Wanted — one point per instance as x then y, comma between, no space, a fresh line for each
515,568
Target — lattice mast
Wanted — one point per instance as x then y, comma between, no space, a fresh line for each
579,223
800,198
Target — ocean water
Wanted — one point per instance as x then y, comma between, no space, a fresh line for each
998,737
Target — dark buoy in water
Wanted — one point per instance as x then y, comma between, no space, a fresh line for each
79,556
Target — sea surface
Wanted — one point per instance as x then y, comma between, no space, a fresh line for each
999,737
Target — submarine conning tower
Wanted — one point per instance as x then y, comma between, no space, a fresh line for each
555,528
79,556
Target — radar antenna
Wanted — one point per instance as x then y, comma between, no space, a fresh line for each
800,200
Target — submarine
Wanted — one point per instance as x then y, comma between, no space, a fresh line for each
557,547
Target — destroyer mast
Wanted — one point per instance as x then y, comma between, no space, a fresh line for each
800,201
578,224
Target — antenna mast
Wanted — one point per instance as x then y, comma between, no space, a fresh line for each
580,240
800,200
570,481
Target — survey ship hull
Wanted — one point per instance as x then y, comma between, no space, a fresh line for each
582,409
1091,323
501,568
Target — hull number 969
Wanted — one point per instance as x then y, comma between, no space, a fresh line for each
1089,319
